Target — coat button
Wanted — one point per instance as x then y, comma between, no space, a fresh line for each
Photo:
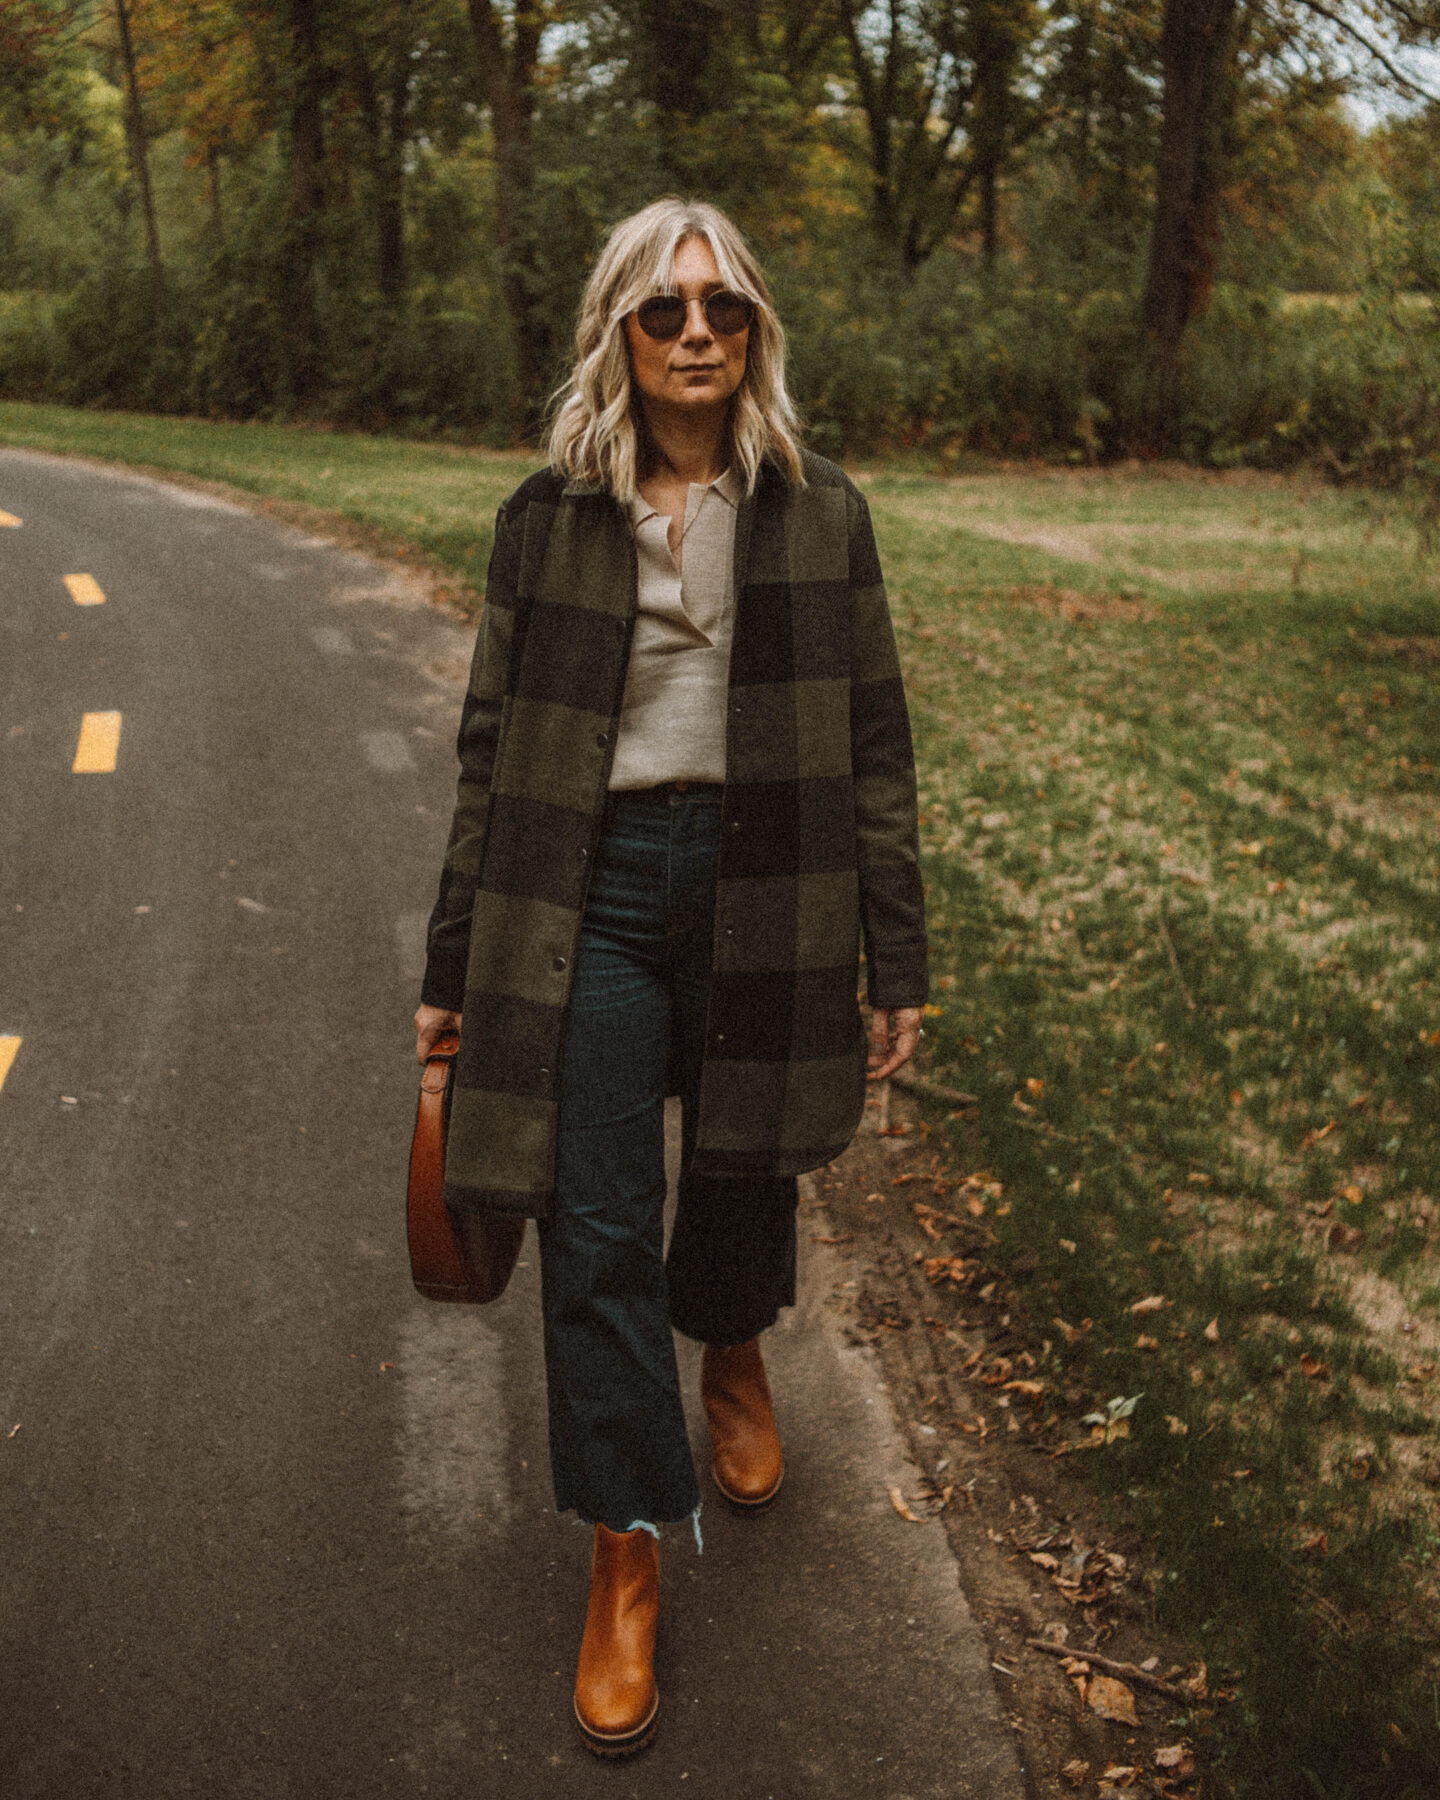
734,824
719,1037
583,853
602,738
559,962
729,931
544,1074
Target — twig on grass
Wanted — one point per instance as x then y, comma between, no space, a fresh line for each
1169,943
1127,1671
934,1090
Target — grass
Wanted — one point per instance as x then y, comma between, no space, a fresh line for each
1179,745
438,497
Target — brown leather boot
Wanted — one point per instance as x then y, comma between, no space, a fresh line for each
745,1455
617,1704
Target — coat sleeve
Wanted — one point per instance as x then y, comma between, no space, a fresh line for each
892,899
448,943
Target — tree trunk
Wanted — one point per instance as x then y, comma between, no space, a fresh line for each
140,163
508,75
307,150
1197,53
212,184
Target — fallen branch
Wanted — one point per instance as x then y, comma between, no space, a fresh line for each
1126,1671
919,1084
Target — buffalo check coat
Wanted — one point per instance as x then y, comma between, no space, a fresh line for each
818,831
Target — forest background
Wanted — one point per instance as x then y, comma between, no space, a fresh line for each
1011,227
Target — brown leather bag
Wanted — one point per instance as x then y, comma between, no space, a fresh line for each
437,1267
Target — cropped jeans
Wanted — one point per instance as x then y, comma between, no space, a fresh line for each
618,1447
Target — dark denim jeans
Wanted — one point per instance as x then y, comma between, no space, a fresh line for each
618,1449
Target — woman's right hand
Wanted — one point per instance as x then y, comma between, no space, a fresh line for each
431,1024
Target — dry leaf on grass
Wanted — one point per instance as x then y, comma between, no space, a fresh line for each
1211,1333
1151,1303
1122,1775
1175,1761
1111,1699
1314,1368
1075,1773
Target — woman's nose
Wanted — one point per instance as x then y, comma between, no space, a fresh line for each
697,326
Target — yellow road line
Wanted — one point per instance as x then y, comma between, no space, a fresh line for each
9,1049
99,744
85,590
8,519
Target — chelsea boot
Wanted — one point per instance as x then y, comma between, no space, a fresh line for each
617,1704
745,1454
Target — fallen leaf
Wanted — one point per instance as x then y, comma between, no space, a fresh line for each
974,1207
1212,1332
1343,1237
1178,1427
1032,1390
1176,1761
1075,1773
1044,1560
1353,1194
1197,1685
1146,1343
1151,1303
1318,1545
897,1500
1068,1246
1314,1368
1034,1086
1122,1774
1317,1135
1111,1699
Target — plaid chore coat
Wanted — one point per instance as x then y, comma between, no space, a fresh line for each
818,831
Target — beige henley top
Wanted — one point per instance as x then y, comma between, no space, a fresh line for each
672,718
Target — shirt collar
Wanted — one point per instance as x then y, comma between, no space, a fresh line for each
727,486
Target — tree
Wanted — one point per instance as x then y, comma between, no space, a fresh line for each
509,47
937,83
1210,50
1197,52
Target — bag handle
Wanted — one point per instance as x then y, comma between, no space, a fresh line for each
435,1262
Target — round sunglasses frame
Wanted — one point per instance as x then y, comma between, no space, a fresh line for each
661,305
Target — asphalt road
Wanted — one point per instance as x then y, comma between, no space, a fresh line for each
270,1524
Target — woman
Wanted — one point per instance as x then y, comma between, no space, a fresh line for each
686,787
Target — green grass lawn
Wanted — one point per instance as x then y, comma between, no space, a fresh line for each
1179,746
437,497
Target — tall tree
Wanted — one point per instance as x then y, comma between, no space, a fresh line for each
509,47
1209,50
138,144
303,222
1197,53
937,82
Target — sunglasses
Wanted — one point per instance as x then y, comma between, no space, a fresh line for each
663,316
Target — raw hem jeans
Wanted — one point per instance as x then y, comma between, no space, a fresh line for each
618,1448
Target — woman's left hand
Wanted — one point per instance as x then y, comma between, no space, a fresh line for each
894,1033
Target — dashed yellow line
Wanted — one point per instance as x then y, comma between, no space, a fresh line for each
8,519
9,1050
99,744
85,590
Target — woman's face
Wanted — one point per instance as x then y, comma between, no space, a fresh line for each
696,370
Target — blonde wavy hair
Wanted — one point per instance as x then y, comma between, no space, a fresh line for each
597,433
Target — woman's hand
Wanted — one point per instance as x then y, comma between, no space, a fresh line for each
894,1033
431,1024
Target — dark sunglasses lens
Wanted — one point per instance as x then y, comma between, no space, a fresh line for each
729,313
663,316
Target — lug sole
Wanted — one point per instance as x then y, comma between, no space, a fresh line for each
609,1744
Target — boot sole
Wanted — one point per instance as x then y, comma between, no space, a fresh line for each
740,1502
601,1743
